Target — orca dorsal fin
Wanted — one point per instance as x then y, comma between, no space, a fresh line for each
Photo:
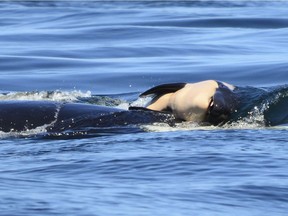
163,89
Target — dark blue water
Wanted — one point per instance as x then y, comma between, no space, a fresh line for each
106,54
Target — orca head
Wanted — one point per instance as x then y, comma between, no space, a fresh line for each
222,105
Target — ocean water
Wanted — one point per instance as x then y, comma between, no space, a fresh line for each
107,53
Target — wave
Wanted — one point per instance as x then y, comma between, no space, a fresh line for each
64,96
261,23
146,3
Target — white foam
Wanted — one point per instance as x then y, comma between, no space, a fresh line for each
254,120
123,105
141,102
183,126
46,95
24,133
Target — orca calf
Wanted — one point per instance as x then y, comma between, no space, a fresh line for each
207,101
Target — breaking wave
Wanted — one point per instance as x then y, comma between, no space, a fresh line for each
66,96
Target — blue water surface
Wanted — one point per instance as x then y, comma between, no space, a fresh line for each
109,52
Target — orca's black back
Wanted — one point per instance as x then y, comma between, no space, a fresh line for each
24,115
57,117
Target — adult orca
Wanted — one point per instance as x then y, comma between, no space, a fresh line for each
208,101
57,117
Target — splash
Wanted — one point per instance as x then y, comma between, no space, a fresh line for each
254,120
25,133
182,126
63,96
141,102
